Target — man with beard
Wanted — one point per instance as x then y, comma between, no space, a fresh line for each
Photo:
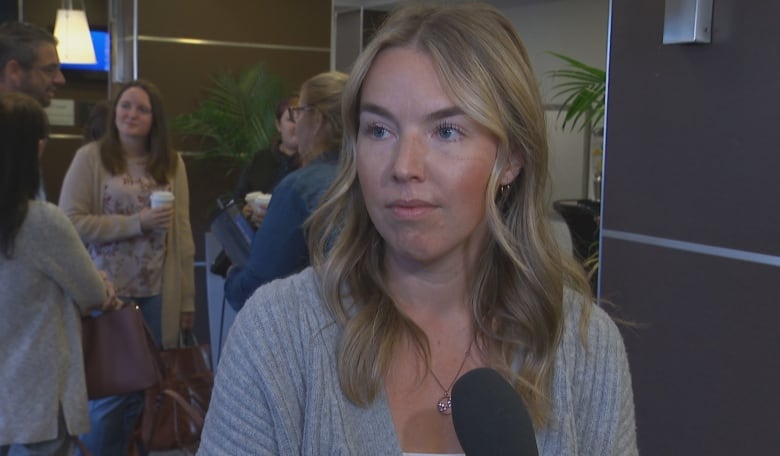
28,61
29,64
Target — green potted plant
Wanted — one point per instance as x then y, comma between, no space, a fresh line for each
582,88
236,118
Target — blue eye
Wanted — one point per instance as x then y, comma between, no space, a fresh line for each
376,131
448,132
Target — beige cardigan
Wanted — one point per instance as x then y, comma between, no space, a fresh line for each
80,199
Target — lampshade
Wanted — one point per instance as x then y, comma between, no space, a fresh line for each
74,41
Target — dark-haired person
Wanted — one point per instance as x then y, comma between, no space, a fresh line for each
146,252
96,123
432,255
264,171
29,62
283,154
48,284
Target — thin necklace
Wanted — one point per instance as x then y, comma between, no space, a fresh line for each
445,403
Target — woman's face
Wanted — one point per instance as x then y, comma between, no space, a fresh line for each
308,129
134,114
423,165
286,128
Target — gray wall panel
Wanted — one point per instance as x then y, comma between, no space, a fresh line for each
703,352
692,134
691,155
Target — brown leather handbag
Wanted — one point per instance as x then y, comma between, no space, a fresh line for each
174,409
120,354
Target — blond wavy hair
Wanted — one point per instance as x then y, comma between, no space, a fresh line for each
517,294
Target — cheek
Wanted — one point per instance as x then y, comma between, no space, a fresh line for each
471,185
368,177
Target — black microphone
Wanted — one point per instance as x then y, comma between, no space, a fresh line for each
489,416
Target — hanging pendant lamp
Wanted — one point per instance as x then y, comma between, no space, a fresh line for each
72,32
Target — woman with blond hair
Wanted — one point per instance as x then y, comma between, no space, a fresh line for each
279,246
432,256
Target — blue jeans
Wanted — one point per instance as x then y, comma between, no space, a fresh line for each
62,445
113,418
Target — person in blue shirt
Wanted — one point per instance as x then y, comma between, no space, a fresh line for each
279,246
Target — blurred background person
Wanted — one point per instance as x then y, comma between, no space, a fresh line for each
28,61
146,252
97,120
258,176
432,255
49,283
29,64
279,246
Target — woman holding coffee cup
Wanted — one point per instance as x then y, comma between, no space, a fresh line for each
258,177
127,196
279,246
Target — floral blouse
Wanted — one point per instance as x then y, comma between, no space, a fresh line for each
134,265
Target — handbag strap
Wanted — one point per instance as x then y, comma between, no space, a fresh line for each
194,414
183,341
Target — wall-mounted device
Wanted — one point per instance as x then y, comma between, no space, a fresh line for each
687,21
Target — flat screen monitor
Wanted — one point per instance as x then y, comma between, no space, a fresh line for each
102,44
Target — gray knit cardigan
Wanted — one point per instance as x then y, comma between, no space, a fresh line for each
277,390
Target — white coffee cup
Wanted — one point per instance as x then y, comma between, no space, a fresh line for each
160,199
258,200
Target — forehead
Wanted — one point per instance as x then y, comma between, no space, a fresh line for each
404,76
135,94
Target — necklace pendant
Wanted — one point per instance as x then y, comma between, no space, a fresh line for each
445,404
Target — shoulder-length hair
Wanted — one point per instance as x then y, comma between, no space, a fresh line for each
517,293
162,157
323,92
23,125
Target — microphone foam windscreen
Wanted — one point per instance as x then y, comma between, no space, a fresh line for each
489,416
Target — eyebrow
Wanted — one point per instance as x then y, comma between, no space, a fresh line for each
435,115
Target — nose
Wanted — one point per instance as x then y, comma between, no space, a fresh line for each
59,78
409,163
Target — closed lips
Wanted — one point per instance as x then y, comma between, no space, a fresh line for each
411,208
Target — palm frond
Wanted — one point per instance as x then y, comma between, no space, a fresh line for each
236,118
582,88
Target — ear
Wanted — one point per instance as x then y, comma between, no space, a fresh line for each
512,169
13,72
322,124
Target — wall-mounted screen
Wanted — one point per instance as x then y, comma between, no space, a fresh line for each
102,44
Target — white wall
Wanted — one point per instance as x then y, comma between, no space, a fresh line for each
576,28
